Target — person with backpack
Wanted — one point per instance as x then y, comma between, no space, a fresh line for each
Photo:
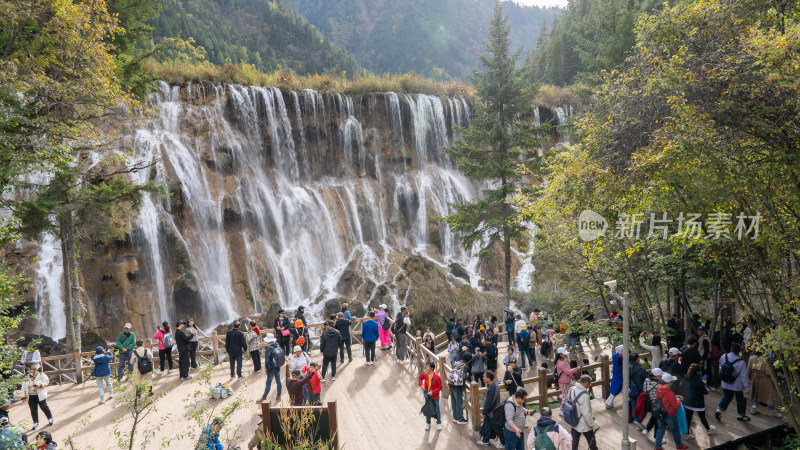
125,344
182,342
478,366
671,365
456,380
102,372
735,383
515,414
299,334
209,437
665,410
165,342
510,327
650,388
564,373
615,386
329,346
235,345
635,387
431,385
513,378
577,411
370,330
694,392
253,339
400,329
274,359
142,360
549,435
342,325
11,437
490,404
382,317
524,343
453,351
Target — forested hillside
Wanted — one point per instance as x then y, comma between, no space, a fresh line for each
267,34
438,38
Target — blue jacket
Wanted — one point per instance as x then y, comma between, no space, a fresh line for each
210,440
369,331
101,366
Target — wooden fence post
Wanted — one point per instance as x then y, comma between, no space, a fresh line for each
606,374
475,400
542,388
443,376
76,354
214,347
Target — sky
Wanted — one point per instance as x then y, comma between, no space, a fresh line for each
542,2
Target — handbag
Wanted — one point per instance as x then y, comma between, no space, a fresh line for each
428,409
285,332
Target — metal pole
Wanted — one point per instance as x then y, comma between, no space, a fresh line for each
626,364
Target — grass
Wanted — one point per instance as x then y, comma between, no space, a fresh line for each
178,72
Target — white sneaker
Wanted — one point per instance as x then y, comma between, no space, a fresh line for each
51,421
102,400
35,425
322,380
754,410
427,426
499,445
438,427
638,425
333,378
711,430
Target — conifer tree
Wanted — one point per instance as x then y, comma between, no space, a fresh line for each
492,148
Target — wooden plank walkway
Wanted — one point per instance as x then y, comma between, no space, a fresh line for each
378,408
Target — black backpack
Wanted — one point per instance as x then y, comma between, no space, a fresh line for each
276,357
499,415
727,371
398,326
524,342
387,324
659,412
145,364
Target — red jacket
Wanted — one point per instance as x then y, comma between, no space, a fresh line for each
436,384
671,404
316,386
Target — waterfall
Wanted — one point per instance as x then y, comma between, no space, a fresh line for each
49,288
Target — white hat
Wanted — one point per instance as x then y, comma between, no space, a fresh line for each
658,372
297,349
619,349
269,338
382,306
128,326
562,351
674,351
668,378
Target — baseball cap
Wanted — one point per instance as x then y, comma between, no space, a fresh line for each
668,378
674,351
658,372
128,326
619,349
562,351
297,349
702,328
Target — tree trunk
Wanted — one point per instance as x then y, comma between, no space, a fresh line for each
72,301
506,265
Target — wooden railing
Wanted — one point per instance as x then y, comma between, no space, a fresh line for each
77,366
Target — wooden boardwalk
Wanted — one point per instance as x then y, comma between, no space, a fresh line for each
378,408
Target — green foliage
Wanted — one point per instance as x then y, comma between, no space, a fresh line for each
264,33
436,38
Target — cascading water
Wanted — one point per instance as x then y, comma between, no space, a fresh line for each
49,288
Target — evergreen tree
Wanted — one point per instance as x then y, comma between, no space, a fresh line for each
491,149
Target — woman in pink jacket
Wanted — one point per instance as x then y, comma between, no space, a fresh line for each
564,372
164,352
382,315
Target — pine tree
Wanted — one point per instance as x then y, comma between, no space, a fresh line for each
491,149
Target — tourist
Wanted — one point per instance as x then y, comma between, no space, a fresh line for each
650,387
655,348
458,330
734,384
670,404
616,376
125,344
510,327
44,440
431,386
342,325
694,392
370,331
478,366
761,385
35,388
513,377
565,372
346,311
555,436
197,333
235,345
381,316
449,326
587,426
690,355
254,345
299,334
515,420
329,344
295,387
164,334
453,351
11,436
274,358
182,339
31,357
283,331
102,372
671,365
298,361
705,346
524,343
457,391
509,356
491,352
142,361
209,438
401,326
636,380
428,332
488,431
301,314
429,344
259,440
315,384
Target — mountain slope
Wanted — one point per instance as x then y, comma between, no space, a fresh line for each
268,34
438,38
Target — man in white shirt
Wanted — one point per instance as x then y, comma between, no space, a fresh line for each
518,324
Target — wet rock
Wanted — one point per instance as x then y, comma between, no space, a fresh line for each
459,271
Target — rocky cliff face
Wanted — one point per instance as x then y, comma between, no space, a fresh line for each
276,199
